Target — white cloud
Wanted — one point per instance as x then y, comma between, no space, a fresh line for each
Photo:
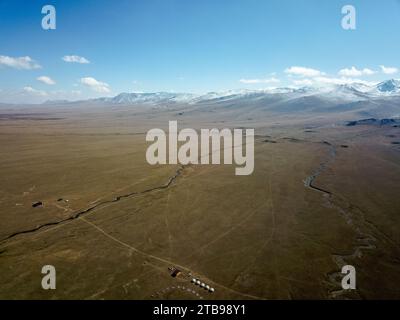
33,91
95,85
256,81
303,72
341,81
75,59
389,70
46,80
354,72
31,95
303,82
326,80
26,63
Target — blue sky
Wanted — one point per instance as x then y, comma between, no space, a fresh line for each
191,46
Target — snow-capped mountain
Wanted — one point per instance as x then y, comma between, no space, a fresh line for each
149,98
389,86
347,93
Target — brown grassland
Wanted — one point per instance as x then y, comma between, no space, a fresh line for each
112,224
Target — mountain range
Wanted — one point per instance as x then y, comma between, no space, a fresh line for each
350,101
348,92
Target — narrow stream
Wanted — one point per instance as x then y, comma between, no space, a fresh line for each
166,185
352,215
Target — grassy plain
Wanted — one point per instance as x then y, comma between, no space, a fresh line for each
112,225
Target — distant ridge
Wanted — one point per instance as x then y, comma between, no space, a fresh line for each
347,92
